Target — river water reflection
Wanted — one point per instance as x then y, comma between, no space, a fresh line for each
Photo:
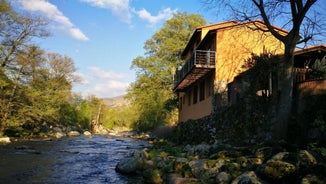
69,160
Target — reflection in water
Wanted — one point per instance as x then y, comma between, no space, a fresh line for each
69,160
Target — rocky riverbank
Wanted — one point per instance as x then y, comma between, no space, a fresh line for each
59,132
224,163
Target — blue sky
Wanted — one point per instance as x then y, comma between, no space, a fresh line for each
104,36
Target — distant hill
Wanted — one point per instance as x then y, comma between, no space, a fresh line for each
116,101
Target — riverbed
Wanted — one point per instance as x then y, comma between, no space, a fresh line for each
69,160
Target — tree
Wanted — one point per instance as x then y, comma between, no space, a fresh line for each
152,89
16,32
302,19
35,86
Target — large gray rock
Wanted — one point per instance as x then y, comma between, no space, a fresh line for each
57,129
247,178
202,149
198,167
127,165
131,164
222,178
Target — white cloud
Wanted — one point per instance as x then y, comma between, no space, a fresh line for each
122,9
110,89
97,73
164,14
52,13
118,8
101,83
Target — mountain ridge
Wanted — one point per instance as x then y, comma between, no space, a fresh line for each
117,101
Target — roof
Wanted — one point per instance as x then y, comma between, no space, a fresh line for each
314,48
223,25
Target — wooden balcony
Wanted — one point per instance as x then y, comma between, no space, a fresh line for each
300,74
199,64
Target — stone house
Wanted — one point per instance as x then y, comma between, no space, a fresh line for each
213,58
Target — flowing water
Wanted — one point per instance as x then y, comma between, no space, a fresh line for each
69,160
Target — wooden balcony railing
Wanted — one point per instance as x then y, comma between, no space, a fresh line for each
300,74
200,59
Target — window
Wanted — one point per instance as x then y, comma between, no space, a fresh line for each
209,86
180,103
195,93
189,98
202,90
184,99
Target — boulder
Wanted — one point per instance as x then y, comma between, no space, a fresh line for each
127,165
5,140
57,129
222,178
276,169
180,163
73,133
198,167
264,152
189,150
202,149
131,164
306,159
178,179
87,133
98,128
247,178
58,135
311,179
281,156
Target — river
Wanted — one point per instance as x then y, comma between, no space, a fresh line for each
68,160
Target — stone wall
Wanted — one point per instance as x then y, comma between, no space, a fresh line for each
244,122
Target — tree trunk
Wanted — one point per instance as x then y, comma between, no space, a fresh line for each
283,99
98,114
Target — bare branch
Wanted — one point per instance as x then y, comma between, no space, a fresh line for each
261,8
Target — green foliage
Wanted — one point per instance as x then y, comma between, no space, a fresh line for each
121,116
163,147
83,116
151,93
319,68
258,69
35,86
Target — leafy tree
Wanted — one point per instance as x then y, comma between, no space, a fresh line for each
43,88
302,18
153,86
35,86
319,68
257,73
15,33
84,117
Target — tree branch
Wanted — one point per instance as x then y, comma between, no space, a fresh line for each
269,26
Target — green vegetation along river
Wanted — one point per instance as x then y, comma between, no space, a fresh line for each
69,160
